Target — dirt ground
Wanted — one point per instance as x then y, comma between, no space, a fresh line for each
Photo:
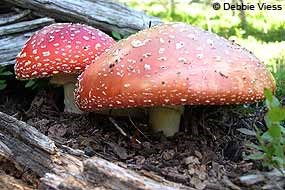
209,151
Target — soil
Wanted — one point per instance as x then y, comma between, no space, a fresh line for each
210,149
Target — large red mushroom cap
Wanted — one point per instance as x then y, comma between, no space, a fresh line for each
173,64
60,48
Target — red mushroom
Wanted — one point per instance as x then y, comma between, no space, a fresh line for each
168,66
61,51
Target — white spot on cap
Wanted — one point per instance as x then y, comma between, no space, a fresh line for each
46,53
200,56
127,85
22,55
97,46
147,67
161,50
28,63
161,40
137,43
182,59
146,55
179,45
162,58
85,37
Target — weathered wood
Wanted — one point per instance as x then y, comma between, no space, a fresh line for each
64,168
99,171
10,183
13,17
25,26
104,14
11,45
21,130
263,177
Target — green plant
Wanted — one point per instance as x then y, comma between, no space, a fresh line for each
117,36
271,147
3,77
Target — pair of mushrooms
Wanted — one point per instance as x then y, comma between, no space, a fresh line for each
164,68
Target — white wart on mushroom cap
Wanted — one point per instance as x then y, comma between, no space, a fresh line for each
60,48
173,64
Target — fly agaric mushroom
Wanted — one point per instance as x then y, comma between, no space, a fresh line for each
62,51
168,66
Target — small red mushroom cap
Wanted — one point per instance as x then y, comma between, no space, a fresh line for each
60,48
173,64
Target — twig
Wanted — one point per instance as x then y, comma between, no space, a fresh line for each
121,130
133,124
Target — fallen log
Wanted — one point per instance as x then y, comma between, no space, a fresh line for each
14,36
61,167
10,46
13,17
24,26
104,14
10,183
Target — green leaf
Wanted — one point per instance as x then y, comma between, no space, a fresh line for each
279,161
254,146
279,151
282,129
266,137
276,114
30,83
3,86
271,101
246,131
256,156
116,35
275,131
6,73
268,94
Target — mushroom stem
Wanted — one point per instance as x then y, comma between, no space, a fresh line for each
166,119
69,103
68,82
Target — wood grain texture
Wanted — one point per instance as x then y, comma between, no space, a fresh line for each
104,14
61,167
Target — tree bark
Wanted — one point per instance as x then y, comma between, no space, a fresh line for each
61,167
104,14
13,35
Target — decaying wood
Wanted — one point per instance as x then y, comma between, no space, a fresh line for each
30,150
13,17
14,36
10,183
100,171
10,46
65,168
25,26
104,14
275,176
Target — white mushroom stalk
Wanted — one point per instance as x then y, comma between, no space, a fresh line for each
68,82
166,119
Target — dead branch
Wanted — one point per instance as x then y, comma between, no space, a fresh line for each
63,167
104,14
25,26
